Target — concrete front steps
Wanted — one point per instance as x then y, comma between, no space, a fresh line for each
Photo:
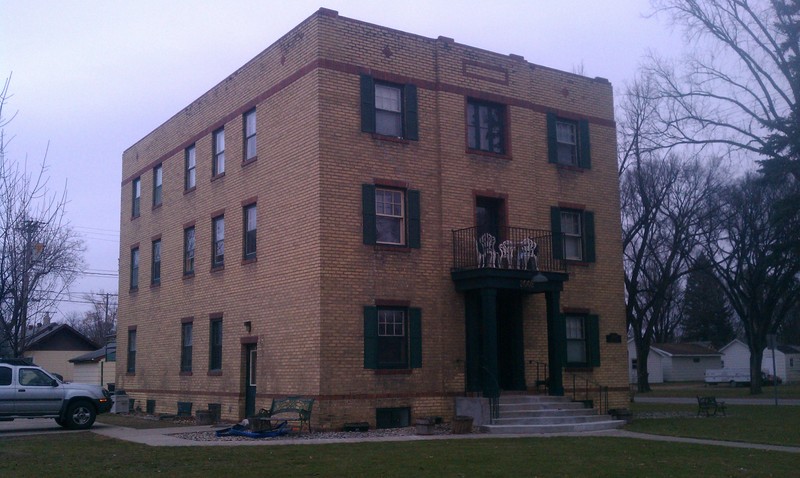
531,414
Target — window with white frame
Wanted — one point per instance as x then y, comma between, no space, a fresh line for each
218,241
389,216
155,263
573,236
158,178
134,268
250,231
218,166
250,135
567,139
186,347
392,338
485,126
136,192
576,340
190,163
188,250
388,110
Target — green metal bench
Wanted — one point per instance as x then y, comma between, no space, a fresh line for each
710,406
291,409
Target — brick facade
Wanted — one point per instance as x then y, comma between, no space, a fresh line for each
302,300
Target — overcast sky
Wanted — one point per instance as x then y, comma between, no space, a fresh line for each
93,77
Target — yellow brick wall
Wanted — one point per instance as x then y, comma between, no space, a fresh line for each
305,294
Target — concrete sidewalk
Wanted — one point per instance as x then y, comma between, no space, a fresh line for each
729,401
163,437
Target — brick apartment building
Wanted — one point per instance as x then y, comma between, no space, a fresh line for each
377,220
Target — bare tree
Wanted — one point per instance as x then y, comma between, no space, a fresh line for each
100,322
664,206
40,255
756,269
739,87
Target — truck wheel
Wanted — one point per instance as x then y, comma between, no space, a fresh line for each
61,422
80,415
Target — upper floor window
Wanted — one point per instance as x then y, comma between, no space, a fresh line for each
134,268
190,163
155,266
250,228
391,216
186,347
188,250
486,126
573,234
218,241
583,340
392,338
388,109
568,142
158,179
136,190
250,135
218,166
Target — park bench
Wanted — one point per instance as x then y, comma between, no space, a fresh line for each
710,406
291,409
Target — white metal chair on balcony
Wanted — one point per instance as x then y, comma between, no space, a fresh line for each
528,252
507,252
487,256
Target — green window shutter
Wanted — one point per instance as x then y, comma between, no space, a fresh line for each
410,113
552,142
413,219
367,104
371,337
588,230
368,211
584,155
592,329
415,336
555,227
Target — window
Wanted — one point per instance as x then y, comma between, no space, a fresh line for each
136,188
186,347
158,179
389,109
485,126
215,345
391,216
392,338
250,231
573,234
5,376
634,364
218,242
189,174
568,142
250,135
33,377
583,341
131,351
155,265
218,168
188,250
134,268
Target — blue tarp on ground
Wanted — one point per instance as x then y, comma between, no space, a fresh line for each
242,431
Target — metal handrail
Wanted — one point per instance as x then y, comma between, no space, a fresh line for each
465,253
591,388
494,398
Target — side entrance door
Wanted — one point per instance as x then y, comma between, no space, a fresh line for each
251,360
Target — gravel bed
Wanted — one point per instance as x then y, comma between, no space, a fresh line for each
332,435
648,415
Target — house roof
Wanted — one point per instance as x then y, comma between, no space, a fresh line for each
732,343
685,350
789,349
59,337
108,352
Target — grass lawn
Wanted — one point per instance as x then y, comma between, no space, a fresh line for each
87,454
745,423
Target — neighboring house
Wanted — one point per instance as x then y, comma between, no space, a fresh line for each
787,362
97,367
51,346
735,355
377,220
655,367
682,362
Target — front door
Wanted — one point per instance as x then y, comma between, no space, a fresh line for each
251,356
488,216
510,342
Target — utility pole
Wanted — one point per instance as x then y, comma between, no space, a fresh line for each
28,228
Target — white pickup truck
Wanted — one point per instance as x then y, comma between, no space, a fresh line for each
732,376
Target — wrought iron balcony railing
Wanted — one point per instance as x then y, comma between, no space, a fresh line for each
512,248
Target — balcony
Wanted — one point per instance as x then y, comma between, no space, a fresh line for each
515,258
